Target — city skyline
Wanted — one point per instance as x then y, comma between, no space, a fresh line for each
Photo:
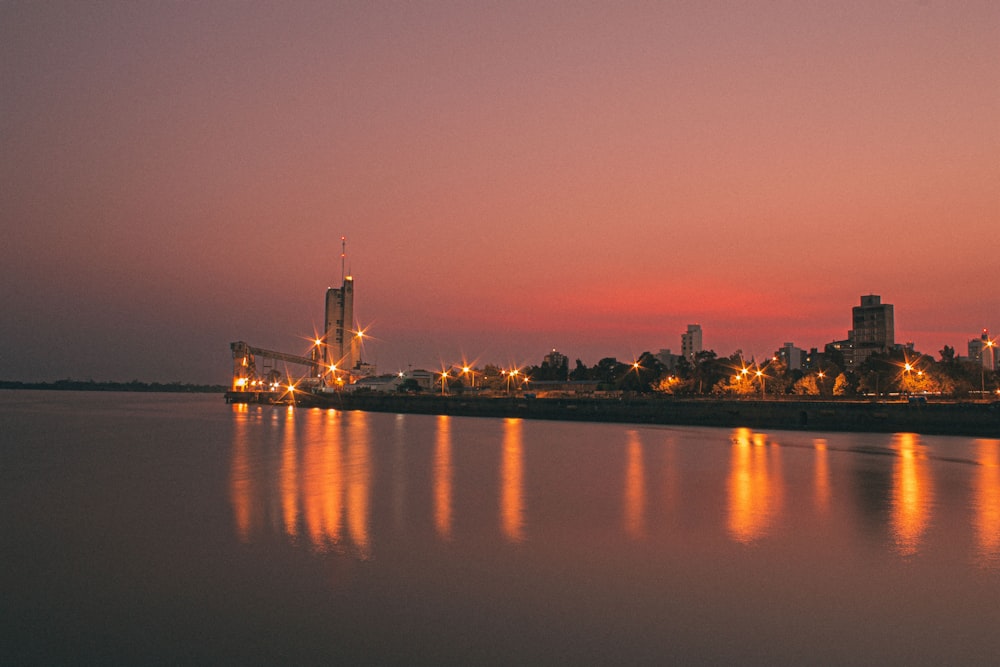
509,179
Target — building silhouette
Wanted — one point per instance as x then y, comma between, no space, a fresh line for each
873,332
874,328
792,356
691,341
555,359
982,352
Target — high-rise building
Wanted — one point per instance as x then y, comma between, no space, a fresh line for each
982,351
668,359
691,341
792,356
340,339
873,331
555,359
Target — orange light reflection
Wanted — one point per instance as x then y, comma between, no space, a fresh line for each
322,479
442,478
912,494
635,489
822,476
289,477
987,502
241,486
358,480
755,487
512,481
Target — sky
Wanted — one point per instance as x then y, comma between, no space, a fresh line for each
511,177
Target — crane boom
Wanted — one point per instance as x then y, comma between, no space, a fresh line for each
242,349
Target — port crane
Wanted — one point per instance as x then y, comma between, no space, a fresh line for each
245,376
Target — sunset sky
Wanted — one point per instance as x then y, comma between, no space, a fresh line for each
511,178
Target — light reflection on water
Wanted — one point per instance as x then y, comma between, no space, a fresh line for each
912,493
359,478
308,536
442,478
756,487
512,482
635,489
987,502
320,487
324,481
822,478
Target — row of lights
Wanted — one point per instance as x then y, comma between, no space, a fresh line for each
470,375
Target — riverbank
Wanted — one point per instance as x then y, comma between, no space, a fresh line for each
109,385
967,419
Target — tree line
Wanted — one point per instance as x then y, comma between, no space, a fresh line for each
897,372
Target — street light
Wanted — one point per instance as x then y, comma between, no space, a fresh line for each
510,374
467,371
444,375
982,366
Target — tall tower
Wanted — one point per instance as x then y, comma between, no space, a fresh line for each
339,319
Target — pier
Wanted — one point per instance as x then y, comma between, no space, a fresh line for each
945,418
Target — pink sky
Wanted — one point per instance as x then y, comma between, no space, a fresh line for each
511,178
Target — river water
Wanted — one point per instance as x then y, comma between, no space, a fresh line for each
144,529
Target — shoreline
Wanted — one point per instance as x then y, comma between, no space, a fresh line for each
961,419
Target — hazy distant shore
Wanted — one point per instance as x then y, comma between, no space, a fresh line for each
134,385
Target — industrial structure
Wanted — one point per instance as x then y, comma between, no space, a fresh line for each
339,346
335,359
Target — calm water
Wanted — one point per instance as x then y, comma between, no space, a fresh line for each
177,529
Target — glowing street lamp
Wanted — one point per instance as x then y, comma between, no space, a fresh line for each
511,374
982,365
467,372
444,376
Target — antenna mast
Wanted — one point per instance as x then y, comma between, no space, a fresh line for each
343,254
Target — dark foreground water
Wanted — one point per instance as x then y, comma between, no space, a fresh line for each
143,529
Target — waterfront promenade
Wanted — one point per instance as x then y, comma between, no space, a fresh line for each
945,418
